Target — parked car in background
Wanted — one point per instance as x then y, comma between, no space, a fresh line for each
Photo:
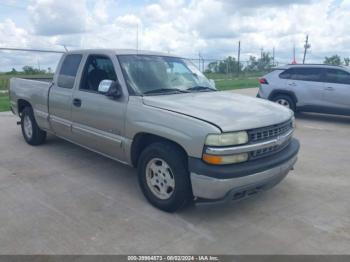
311,88
159,113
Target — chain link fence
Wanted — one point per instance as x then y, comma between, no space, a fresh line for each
228,73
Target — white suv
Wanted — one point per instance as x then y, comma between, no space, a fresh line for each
311,88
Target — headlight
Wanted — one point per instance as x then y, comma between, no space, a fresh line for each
225,160
228,139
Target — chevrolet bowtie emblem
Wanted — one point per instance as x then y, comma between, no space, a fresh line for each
279,140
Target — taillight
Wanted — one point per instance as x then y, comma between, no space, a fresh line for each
263,81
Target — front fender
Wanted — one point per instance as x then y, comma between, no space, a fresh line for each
186,131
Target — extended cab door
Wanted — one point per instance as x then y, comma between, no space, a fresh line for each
337,91
60,97
98,120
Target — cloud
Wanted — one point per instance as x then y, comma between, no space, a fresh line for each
12,35
211,27
254,4
52,17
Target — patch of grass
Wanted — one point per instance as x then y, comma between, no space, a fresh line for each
4,102
230,82
5,78
237,83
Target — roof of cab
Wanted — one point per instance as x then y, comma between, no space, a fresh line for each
120,52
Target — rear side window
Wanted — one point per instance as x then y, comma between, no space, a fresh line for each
303,74
68,72
337,76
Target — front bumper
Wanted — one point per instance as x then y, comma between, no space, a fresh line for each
212,187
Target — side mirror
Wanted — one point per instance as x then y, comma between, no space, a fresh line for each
212,82
110,88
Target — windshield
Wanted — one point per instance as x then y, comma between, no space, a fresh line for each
149,74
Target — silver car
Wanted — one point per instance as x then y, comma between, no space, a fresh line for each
311,88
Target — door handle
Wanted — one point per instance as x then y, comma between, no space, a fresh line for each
292,84
329,88
77,102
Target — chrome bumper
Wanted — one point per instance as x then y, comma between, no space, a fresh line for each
210,188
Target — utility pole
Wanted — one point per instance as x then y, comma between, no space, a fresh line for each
294,61
273,57
226,69
306,47
199,61
239,57
203,64
137,36
261,53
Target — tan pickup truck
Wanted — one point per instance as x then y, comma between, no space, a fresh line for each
159,113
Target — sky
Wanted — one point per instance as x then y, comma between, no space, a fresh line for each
187,28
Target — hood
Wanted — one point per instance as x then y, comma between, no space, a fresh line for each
227,110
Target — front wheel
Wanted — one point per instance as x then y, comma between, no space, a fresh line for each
32,134
163,176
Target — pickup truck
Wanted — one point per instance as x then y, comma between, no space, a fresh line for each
159,113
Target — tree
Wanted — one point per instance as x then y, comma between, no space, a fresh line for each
28,70
252,64
333,60
264,63
12,72
213,67
347,61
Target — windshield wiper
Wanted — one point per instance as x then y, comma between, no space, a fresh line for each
165,90
201,88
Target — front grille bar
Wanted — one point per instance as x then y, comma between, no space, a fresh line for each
266,133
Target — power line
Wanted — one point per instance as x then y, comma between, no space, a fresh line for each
31,50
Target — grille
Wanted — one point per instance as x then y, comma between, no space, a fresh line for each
267,151
265,133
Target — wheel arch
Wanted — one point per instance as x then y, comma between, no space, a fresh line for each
21,104
277,92
142,140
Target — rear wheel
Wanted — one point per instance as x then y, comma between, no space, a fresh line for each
284,100
163,176
32,134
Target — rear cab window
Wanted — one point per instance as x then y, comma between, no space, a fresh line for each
68,71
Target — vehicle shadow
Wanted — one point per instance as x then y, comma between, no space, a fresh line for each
324,117
119,182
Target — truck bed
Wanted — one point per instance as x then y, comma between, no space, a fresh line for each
33,91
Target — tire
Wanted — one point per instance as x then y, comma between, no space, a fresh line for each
285,101
154,176
31,132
